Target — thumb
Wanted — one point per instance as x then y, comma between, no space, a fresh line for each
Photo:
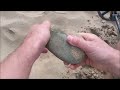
45,25
79,42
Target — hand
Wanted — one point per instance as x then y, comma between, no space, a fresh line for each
100,54
39,35
36,40
19,63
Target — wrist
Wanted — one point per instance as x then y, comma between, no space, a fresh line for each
29,52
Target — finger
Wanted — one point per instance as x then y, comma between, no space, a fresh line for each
88,36
73,67
45,25
66,63
77,41
45,50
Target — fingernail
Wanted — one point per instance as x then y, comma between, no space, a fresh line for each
69,37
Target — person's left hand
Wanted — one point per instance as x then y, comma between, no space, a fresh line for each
35,42
39,36
18,64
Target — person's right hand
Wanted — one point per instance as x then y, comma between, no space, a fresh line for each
100,54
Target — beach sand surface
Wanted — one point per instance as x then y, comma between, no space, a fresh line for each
14,26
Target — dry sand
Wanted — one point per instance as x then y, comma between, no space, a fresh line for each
14,26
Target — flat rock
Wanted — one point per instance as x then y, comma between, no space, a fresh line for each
63,50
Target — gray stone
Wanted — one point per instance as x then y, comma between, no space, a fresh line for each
63,50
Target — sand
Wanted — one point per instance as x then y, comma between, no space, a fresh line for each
14,26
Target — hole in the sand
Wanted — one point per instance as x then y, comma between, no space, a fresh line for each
9,34
11,31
